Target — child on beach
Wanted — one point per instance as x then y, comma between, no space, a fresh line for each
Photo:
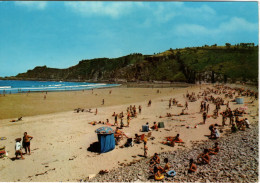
18,148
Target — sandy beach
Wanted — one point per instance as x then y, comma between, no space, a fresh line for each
61,136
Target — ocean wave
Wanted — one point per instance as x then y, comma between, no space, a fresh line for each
3,87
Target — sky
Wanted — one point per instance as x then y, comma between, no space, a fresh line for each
60,34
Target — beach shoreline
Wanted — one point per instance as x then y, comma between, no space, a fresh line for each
29,104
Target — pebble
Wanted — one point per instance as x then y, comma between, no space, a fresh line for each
234,162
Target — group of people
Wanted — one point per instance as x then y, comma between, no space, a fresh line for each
159,171
25,144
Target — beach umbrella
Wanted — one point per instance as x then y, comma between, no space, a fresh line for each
104,130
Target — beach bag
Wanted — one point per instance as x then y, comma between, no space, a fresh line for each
145,128
161,125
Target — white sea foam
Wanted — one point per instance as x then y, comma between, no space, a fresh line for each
5,87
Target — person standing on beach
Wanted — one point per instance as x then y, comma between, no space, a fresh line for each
128,120
149,103
207,108
96,112
103,102
140,109
186,106
204,115
145,150
26,142
116,120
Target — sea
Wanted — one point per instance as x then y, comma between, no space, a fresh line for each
21,86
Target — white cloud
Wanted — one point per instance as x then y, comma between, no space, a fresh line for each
112,9
162,12
235,24
40,5
190,30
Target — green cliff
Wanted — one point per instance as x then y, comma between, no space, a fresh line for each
228,63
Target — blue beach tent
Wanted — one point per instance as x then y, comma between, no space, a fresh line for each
106,139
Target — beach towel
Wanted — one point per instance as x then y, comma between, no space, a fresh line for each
3,138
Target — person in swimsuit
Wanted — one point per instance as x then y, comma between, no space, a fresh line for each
204,157
145,149
155,160
26,142
193,167
204,115
214,150
166,167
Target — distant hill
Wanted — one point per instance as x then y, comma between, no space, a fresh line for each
229,63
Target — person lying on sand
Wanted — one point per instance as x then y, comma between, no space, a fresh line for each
204,158
172,140
19,119
89,110
183,113
119,133
169,142
169,115
214,150
193,167
93,123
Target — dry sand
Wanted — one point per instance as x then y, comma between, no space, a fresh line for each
61,139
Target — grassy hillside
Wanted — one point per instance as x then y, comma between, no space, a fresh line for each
207,63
